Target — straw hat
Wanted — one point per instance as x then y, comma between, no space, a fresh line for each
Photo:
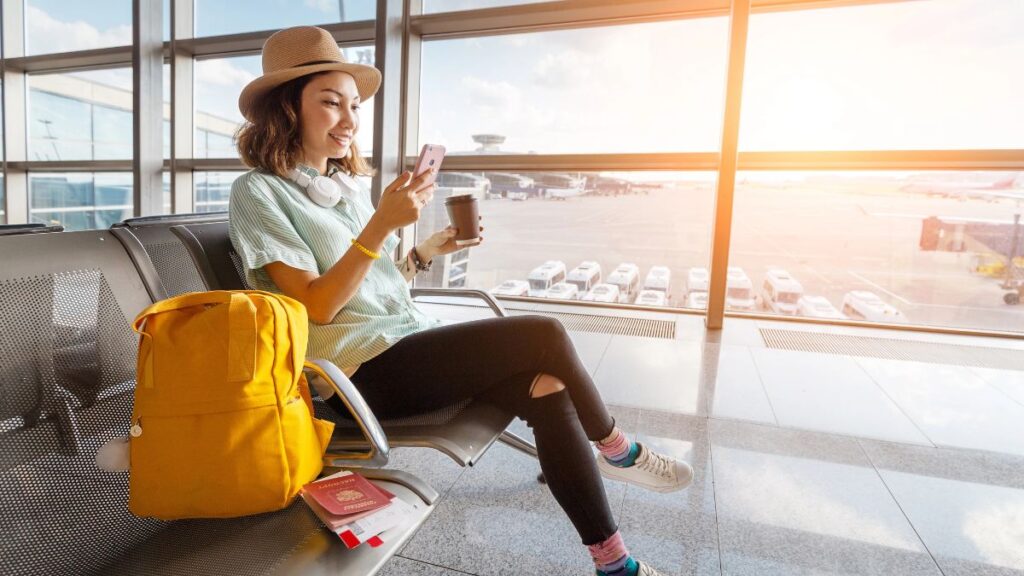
294,52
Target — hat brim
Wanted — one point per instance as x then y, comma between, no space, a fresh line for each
367,82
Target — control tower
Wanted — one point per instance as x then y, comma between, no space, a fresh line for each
488,143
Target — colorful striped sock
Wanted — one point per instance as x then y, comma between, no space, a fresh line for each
618,450
611,558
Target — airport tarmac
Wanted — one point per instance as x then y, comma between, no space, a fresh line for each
831,236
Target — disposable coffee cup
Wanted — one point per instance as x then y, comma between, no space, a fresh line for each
464,215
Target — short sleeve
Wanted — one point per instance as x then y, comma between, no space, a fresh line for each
261,231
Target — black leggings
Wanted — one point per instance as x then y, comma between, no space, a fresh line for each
497,360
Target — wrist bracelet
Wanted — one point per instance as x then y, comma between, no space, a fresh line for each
418,262
365,250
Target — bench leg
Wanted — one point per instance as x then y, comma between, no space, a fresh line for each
524,446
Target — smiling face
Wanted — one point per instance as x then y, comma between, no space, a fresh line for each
329,116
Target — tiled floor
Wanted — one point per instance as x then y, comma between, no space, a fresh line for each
805,463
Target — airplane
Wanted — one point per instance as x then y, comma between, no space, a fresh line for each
1011,187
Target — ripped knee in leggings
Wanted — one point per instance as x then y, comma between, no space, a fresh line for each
545,384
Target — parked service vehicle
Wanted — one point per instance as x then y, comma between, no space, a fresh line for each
543,277
865,305
585,276
739,290
563,291
781,292
627,277
651,298
697,300
818,307
698,280
659,278
602,293
512,288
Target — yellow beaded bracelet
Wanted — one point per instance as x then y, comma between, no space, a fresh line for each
365,250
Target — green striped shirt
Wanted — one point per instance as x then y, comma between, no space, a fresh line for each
273,220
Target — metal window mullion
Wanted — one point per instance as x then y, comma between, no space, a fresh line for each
409,136
722,226
15,133
182,102
147,113
387,156
570,14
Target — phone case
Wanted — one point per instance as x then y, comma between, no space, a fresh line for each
430,157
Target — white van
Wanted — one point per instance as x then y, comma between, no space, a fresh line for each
511,288
739,290
697,300
585,276
781,292
627,277
602,293
543,277
563,291
698,280
818,307
651,298
865,305
659,278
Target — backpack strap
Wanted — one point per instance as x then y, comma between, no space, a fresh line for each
241,334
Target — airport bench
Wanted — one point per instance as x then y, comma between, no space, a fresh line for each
67,362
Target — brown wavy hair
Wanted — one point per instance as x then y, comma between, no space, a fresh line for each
272,141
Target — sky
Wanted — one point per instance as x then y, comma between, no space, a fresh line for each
926,74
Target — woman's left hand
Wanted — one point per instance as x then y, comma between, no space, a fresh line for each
440,243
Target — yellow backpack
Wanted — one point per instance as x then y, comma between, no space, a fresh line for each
223,422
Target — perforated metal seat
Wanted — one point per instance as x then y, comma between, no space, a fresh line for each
463,431
67,360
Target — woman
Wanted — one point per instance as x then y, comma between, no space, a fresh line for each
319,240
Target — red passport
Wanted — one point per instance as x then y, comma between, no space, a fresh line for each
347,495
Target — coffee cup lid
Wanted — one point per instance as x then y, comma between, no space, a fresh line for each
460,198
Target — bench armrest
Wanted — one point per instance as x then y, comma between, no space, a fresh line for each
461,293
379,450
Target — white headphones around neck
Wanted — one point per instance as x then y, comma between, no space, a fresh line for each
323,191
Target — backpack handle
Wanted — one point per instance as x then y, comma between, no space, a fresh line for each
241,334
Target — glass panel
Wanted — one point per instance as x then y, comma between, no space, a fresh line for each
930,249
213,190
638,88
622,237
431,6
67,25
80,116
216,17
80,201
934,75
219,82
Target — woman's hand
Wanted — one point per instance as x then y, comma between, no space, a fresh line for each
402,200
440,243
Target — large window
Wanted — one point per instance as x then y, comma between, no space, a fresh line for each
623,238
924,248
80,201
941,74
638,88
80,116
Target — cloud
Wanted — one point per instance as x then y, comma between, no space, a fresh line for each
63,36
566,69
325,6
222,73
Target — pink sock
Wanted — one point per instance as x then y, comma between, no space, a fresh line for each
615,447
609,555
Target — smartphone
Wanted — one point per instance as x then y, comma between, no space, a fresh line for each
430,158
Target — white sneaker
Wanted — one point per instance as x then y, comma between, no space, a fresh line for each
651,470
